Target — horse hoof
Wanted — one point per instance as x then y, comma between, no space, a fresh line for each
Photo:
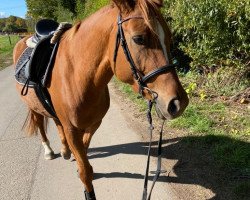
49,156
66,155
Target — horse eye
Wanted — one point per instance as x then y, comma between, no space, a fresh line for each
139,39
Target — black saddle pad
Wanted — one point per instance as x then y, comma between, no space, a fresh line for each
35,63
21,75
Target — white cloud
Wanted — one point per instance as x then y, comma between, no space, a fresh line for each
3,14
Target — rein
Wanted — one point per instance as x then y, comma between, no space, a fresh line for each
142,82
158,169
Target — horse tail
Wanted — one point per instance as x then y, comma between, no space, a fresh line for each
33,122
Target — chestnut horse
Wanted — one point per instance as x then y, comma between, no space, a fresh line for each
84,65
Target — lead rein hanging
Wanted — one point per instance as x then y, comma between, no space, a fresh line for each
159,152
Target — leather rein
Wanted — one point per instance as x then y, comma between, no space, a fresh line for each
142,82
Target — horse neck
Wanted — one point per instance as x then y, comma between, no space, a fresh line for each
87,47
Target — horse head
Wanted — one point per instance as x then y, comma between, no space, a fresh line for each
141,55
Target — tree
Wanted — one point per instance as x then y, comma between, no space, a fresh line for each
64,15
69,5
20,23
2,24
73,6
80,7
10,28
11,20
55,9
30,23
42,8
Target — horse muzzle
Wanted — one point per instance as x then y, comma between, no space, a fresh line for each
170,110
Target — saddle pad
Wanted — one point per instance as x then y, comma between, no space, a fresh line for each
21,67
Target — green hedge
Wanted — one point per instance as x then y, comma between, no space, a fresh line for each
89,7
212,32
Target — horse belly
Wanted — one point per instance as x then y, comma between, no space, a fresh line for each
32,101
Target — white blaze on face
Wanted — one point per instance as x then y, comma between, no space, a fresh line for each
161,35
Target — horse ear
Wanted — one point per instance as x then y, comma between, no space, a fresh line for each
125,5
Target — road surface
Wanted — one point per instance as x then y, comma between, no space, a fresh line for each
117,155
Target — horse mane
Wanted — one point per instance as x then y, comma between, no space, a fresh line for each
71,32
151,10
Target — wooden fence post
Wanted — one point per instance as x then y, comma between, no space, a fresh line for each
9,38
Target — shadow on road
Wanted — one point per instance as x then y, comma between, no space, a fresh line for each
197,164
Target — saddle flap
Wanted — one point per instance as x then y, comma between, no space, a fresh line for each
40,58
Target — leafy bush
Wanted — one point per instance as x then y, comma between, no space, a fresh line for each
223,82
212,32
89,7
63,15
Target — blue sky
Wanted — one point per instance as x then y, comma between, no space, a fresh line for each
12,7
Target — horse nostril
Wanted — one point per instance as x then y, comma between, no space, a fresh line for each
174,106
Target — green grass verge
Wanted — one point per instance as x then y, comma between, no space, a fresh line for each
224,132
6,49
242,190
216,118
125,88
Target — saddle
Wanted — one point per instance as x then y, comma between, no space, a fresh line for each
44,28
36,62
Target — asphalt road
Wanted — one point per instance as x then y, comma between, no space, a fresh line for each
117,155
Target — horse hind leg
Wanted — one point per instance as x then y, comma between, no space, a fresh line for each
42,125
37,121
65,151
48,152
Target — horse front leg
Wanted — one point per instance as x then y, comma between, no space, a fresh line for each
65,151
79,142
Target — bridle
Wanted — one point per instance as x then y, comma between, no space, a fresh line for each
142,82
